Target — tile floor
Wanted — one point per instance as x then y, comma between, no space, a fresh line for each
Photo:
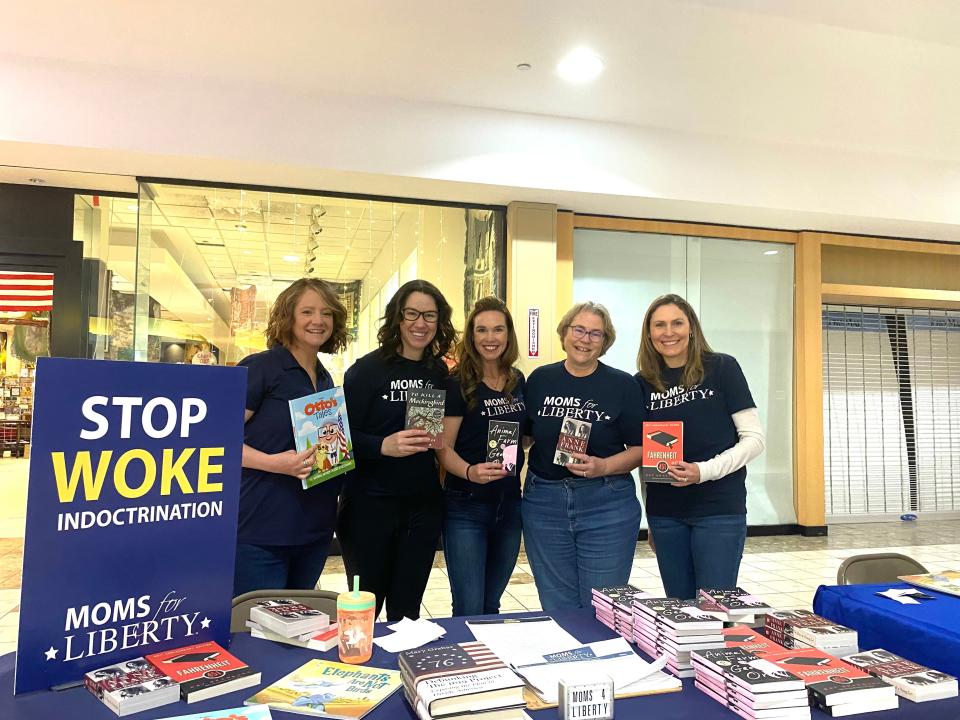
784,570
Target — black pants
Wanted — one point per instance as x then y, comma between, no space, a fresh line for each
390,543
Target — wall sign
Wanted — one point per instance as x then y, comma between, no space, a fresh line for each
533,332
131,513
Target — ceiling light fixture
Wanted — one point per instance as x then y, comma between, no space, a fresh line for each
132,207
291,258
37,181
580,66
771,252
523,67
241,227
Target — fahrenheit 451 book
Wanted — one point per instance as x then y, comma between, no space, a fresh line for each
662,447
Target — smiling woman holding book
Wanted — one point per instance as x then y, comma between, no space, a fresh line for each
392,507
284,531
580,510
699,521
483,456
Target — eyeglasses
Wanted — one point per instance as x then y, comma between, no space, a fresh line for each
579,332
411,315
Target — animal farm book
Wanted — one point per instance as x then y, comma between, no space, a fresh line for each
320,420
503,440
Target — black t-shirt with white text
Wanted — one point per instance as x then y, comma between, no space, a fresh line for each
471,442
375,389
608,399
708,429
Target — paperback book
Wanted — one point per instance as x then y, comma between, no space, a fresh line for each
204,670
329,689
256,712
574,438
320,420
322,640
945,581
288,617
912,681
662,448
425,412
503,441
131,686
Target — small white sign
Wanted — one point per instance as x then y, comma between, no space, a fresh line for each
586,699
533,332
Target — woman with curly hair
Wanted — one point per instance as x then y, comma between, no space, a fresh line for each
481,526
284,531
392,509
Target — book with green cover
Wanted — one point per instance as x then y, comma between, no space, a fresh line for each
330,689
320,420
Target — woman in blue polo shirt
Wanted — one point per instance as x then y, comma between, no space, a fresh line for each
580,511
392,509
284,531
699,523
481,522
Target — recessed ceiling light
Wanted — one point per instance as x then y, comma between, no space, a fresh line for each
247,252
37,181
580,66
241,227
132,207
291,258
523,67
771,252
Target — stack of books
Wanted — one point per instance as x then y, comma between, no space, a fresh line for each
912,681
204,670
804,629
750,687
614,607
290,622
132,686
749,639
674,628
836,687
460,681
736,606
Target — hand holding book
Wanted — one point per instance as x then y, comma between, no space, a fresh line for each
685,474
295,464
486,472
587,466
406,442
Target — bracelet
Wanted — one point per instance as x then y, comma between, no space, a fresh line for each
467,473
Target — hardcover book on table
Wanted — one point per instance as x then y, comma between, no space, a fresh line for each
662,448
574,438
322,640
320,420
425,408
204,670
503,441
470,692
421,663
945,581
329,689
829,679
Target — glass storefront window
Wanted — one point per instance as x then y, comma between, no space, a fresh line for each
203,265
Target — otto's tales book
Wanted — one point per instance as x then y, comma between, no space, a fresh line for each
574,436
425,412
662,447
503,440
320,420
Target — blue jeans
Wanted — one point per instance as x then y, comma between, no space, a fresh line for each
279,567
481,541
698,552
579,533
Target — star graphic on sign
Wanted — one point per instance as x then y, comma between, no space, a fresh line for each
384,397
51,654
205,623
607,417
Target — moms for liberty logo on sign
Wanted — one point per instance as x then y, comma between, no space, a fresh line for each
131,513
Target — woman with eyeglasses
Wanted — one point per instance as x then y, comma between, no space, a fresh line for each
580,510
481,526
698,523
392,507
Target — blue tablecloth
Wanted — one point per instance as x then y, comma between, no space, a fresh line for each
274,661
928,633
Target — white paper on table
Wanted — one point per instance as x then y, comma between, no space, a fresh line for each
408,634
518,638
614,658
901,595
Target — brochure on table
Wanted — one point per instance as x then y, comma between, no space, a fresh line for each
131,514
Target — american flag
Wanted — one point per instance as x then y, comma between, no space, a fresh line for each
25,291
427,662
342,437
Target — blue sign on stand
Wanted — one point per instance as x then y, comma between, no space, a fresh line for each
131,513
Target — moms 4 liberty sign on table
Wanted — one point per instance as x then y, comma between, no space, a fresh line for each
131,513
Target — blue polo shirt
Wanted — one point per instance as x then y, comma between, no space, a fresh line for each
274,508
